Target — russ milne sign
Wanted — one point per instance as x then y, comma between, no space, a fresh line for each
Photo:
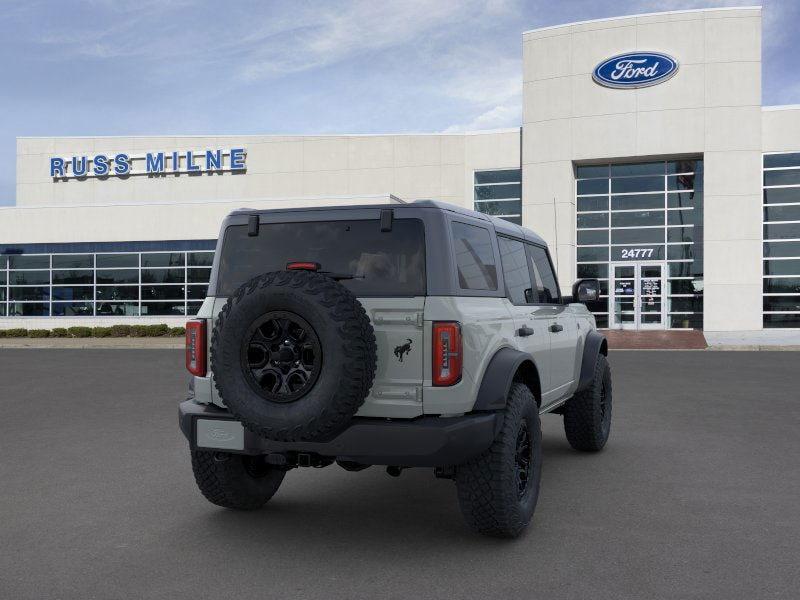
635,70
152,163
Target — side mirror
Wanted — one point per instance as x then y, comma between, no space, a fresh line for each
586,290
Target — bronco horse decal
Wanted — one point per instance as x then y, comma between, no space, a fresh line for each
399,351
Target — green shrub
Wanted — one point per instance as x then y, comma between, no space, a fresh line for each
138,330
157,330
101,332
120,330
16,332
177,331
80,332
2,333
59,332
38,333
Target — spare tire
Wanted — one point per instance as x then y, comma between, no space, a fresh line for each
293,355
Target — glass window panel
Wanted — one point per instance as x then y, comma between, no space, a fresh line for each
72,292
117,260
782,303
2,277
29,277
196,292
694,304
117,309
79,277
545,279
593,220
2,294
782,285
2,310
198,275
73,261
3,262
28,309
678,252
596,203
513,207
685,286
162,292
586,171
592,254
515,220
600,305
23,261
683,182
29,293
683,217
592,186
782,267
788,177
783,231
637,202
164,259
118,276
200,259
637,219
602,321
624,271
686,321
637,184
72,309
163,275
781,249
789,159
648,168
782,213
788,320
192,308
684,199
637,236
494,192
118,292
782,195
684,166
162,308
595,271
593,236
500,176
515,270
682,269
474,257
680,234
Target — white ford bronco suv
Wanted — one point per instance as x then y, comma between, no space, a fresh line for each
404,335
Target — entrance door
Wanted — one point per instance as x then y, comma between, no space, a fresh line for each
636,295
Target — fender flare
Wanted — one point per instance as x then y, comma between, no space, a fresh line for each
594,345
498,377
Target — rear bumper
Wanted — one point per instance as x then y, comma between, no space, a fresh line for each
423,442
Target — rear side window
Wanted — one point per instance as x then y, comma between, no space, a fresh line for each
546,286
474,257
515,270
390,263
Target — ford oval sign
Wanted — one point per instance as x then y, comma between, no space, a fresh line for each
635,70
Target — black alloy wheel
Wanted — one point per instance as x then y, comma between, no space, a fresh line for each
281,356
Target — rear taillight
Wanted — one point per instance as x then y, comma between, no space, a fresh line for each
302,266
447,353
196,347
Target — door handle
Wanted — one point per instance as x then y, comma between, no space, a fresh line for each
524,331
556,327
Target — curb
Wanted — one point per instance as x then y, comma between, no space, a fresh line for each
94,343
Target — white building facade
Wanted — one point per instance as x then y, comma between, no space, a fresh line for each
645,158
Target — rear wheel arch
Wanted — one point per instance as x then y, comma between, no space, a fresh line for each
506,367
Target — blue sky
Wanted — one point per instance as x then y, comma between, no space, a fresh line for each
152,67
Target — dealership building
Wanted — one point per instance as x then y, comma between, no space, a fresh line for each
645,158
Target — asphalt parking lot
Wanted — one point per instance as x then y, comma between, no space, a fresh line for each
696,496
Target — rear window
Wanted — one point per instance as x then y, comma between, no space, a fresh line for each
390,263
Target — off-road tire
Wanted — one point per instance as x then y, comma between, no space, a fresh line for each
587,415
235,480
349,355
487,487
